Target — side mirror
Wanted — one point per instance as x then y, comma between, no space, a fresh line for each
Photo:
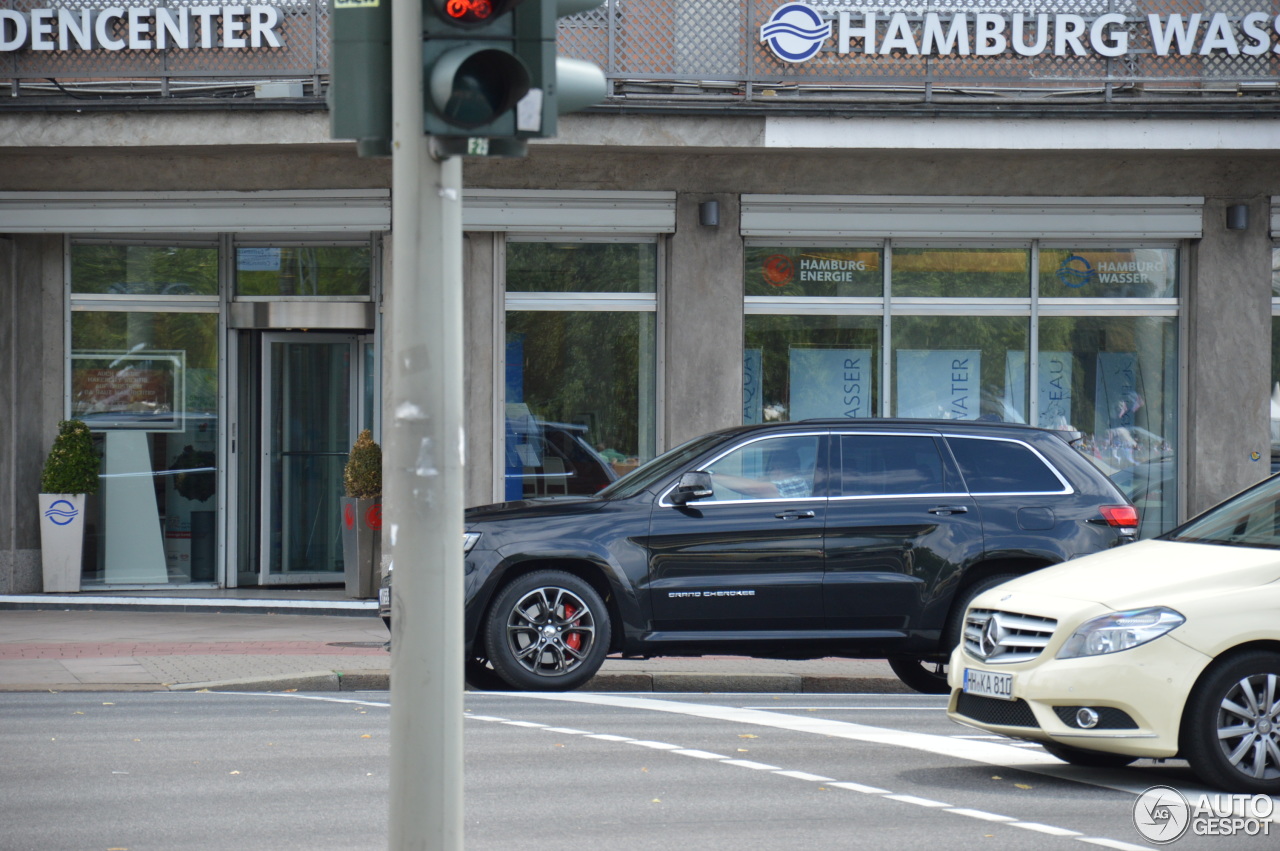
695,485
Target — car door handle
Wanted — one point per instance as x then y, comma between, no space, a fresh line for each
950,509
794,515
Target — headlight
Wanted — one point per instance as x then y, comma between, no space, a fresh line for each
1120,631
469,541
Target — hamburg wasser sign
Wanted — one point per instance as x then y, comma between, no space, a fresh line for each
796,32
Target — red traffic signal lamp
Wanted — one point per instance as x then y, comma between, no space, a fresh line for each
473,76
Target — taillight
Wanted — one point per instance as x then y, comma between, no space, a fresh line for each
1120,515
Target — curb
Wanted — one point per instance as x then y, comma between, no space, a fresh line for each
638,682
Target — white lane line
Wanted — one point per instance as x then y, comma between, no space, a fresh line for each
980,814
914,800
568,731
919,802
484,717
1111,843
993,753
1045,828
804,775
697,754
858,787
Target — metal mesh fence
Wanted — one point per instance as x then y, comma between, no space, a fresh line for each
703,46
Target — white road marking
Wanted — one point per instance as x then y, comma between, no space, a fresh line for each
980,814
919,802
746,763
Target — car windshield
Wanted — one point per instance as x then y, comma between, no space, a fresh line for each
1251,519
644,476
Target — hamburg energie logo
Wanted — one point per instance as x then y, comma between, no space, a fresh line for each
795,32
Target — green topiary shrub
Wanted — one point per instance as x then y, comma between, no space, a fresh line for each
363,474
72,465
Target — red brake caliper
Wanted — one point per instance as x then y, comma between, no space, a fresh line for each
572,639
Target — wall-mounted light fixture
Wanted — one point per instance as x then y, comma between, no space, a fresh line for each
1238,217
709,214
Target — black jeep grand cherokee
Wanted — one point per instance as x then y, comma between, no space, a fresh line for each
854,538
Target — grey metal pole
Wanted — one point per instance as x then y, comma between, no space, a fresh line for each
423,446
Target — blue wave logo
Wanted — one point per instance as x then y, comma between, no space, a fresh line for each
61,512
1075,272
795,32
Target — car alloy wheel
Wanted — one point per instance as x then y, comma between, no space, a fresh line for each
1234,717
547,631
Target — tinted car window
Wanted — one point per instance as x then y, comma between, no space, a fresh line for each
776,468
1002,466
1249,520
872,464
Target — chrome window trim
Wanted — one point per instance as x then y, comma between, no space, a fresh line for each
1066,485
662,500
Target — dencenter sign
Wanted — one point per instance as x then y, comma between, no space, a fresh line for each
795,33
140,28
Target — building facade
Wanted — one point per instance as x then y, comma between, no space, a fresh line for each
1061,216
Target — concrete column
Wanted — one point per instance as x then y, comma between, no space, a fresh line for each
32,307
482,295
702,315
1228,366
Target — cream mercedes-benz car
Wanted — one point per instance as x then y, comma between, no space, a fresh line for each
1165,648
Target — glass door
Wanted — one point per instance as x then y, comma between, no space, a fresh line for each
309,420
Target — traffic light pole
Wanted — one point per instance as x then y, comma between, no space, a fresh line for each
423,497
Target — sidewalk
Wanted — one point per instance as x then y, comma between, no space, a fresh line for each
80,649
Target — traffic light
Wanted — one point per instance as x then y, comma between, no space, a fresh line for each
492,77
472,76
359,94
563,84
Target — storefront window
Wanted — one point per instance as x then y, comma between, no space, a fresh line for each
147,383
303,270
960,367
961,272
1122,392
790,271
581,365
803,367
161,271
1108,273
967,340
1275,355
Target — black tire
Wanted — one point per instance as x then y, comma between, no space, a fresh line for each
546,631
923,675
1092,759
1231,725
480,676
929,675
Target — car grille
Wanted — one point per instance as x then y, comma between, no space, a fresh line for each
995,636
989,710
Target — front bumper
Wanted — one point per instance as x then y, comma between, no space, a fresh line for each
1138,695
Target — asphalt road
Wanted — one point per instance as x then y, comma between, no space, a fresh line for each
142,771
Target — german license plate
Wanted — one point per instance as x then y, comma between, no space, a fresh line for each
384,597
988,684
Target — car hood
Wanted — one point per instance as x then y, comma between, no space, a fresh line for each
1144,574
532,508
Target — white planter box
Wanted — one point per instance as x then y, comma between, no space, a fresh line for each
61,540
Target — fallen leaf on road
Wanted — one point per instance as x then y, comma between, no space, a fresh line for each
366,736
747,736
233,772
1022,785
